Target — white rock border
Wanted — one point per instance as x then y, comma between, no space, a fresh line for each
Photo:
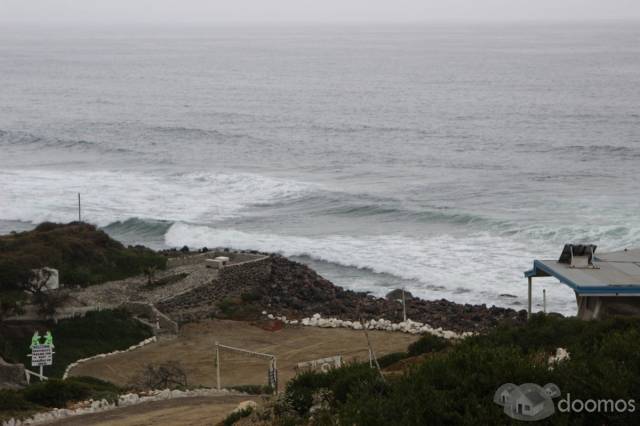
125,400
408,326
129,349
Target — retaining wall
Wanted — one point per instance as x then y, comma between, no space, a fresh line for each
233,280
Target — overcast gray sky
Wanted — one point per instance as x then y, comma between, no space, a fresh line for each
81,11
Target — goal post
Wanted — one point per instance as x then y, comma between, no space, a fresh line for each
272,371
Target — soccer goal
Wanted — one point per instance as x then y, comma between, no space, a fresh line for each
272,369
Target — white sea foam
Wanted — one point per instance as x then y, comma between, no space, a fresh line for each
476,268
39,195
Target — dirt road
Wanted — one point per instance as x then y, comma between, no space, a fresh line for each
194,349
197,411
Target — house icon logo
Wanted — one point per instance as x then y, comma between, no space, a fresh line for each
528,402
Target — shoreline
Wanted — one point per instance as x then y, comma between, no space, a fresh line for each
298,291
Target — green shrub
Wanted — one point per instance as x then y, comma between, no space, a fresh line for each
250,296
237,415
96,385
83,255
340,382
427,344
456,386
56,393
228,306
253,389
390,359
74,338
11,400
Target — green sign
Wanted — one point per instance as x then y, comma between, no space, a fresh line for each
48,339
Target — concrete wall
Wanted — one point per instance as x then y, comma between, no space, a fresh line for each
596,307
195,258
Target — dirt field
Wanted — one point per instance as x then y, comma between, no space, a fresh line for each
198,411
194,348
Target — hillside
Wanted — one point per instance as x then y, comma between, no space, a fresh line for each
83,254
446,383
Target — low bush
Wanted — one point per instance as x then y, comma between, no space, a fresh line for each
56,393
83,255
74,338
11,400
427,344
390,359
456,385
232,418
253,389
339,382
165,375
250,296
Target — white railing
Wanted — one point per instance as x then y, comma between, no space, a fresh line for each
28,373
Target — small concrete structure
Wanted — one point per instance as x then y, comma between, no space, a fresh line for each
218,262
46,278
214,263
607,284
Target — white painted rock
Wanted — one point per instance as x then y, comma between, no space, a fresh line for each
244,405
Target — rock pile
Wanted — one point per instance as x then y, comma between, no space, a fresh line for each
408,326
297,291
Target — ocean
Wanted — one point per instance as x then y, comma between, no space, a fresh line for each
442,158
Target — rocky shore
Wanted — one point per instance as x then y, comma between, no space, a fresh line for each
297,291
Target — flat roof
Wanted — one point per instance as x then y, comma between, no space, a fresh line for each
615,274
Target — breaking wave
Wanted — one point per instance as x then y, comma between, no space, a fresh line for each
39,195
462,269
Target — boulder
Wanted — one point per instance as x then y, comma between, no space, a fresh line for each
245,405
12,376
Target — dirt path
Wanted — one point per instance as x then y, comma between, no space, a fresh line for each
194,349
182,411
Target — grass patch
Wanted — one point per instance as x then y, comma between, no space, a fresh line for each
75,338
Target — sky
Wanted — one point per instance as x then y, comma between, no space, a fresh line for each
203,11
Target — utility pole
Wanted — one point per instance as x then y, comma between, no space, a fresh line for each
217,366
404,307
544,300
79,209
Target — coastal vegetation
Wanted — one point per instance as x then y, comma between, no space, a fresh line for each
54,393
455,383
83,255
74,338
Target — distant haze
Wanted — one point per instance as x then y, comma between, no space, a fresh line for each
201,11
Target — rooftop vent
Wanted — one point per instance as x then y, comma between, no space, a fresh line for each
578,255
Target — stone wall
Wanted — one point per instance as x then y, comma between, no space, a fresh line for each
235,278
232,281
